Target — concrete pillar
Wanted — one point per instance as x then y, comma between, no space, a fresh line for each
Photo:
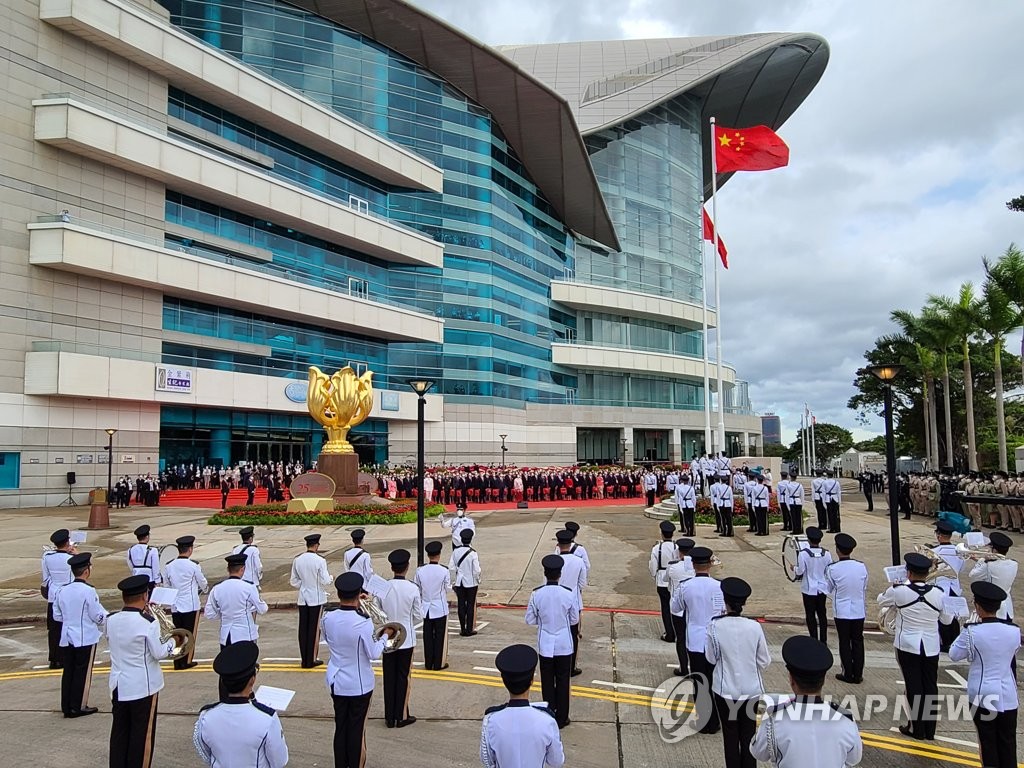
746,444
674,446
220,446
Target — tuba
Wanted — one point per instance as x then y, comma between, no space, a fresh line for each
369,608
982,554
939,566
169,631
887,619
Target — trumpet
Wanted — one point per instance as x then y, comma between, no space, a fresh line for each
369,608
168,631
981,554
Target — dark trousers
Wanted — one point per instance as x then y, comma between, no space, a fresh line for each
851,647
132,732
997,737
309,633
187,620
650,498
466,602
832,510
870,500
948,634
75,682
787,524
397,667
921,676
814,615
679,625
796,517
819,508
223,500
666,615
574,629
435,642
761,519
554,685
687,522
699,665
53,631
738,726
350,729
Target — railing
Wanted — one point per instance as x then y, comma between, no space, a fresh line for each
629,284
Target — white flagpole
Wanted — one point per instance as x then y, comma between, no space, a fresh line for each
814,452
704,338
718,295
803,444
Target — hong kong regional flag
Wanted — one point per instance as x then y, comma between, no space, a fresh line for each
749,149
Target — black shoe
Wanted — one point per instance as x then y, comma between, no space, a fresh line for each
408,721
576,672
56,665
842,678
562,725
442,667
189,665
680,673
389,723
317,663
906,730
667,639
83,712
471,633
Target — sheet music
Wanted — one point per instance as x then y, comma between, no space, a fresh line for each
163,596
376,586
78,537
975,539
275,698
957,606
896,574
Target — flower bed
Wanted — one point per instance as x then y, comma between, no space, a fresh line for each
343,514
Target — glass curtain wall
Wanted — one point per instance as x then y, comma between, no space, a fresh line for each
604,330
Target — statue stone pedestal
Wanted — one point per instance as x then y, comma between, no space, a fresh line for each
343,469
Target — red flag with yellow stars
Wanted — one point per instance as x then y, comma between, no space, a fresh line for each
749,149
709,235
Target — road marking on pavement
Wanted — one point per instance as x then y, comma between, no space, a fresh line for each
280,658
940,685
627,685
485,669
958,677
490,653
15,629
961,742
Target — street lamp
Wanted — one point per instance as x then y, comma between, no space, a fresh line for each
623,441
887,374
420,387
503,449
110,462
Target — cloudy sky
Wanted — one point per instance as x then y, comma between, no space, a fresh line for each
901,162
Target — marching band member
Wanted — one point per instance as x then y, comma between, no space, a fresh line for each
725,505
847,581
553,610
81,615
310,576
760,498
56,573
811,563
805,730
782,493
998,572
144,559
737,650
253,573
662,555
358,559
434,581
686,500
948,584
819,501
238,731
464,572
716,498
518,734
991,645
680,570
917,641
795,500
235,602
135,679
574,576
577,549
401,603
748,502
701,599
186,576
831,497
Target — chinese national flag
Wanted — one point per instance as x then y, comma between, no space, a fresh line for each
749,149
709,234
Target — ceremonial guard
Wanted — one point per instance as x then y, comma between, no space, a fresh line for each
434,581
782,493
819,501
918,605
701,599
847,581
807,731
686,500
310,576
737,650
186,576
461,521
519,734
358,559
135,676
144,559
991,645
760,497
235,603
81,615
401,603
577,549
662,555
832,496
1000,572
748,502
464,573
349,637
56,573
946,551
650,483
725,506
795,501
553,610
811,564
253,573
238,731
574,576
680,570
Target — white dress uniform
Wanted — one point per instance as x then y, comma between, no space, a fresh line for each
253,572
234,602
310,575
805,732
553,610
1001,573
580,551
56,572
847,582
135,652
686,501
737,647
240,733
464,567
457,525
78,607
701,599
678,572
662,555
520,735
434,581
186,576
349,637
671,482
358,559
401,602
949,584
990,645
811,564
574,576
144,560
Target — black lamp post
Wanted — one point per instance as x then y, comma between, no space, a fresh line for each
420,387
886,374
110,463
503,449
623,441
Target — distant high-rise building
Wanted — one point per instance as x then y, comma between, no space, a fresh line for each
771,428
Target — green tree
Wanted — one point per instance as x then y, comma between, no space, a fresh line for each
943,339
830,442
997,317
875,444
1017,204
776,450
925,365
1008,273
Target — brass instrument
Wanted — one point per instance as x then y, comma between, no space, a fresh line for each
887,619
372,611
169,631
978,554
939,566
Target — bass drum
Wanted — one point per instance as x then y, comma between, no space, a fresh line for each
791,546
167,554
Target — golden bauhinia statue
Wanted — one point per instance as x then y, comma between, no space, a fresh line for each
338,403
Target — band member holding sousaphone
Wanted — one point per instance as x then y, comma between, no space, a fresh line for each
186,576
135,677
401,602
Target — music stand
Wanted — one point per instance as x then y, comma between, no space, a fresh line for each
70,500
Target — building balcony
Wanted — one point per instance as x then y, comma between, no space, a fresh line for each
99,134
151,41
581,356
228,282
617,301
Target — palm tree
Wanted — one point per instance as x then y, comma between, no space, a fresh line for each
943,339
1008,274
916,333
962,314
996,319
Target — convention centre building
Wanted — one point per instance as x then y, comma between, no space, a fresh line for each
202,198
